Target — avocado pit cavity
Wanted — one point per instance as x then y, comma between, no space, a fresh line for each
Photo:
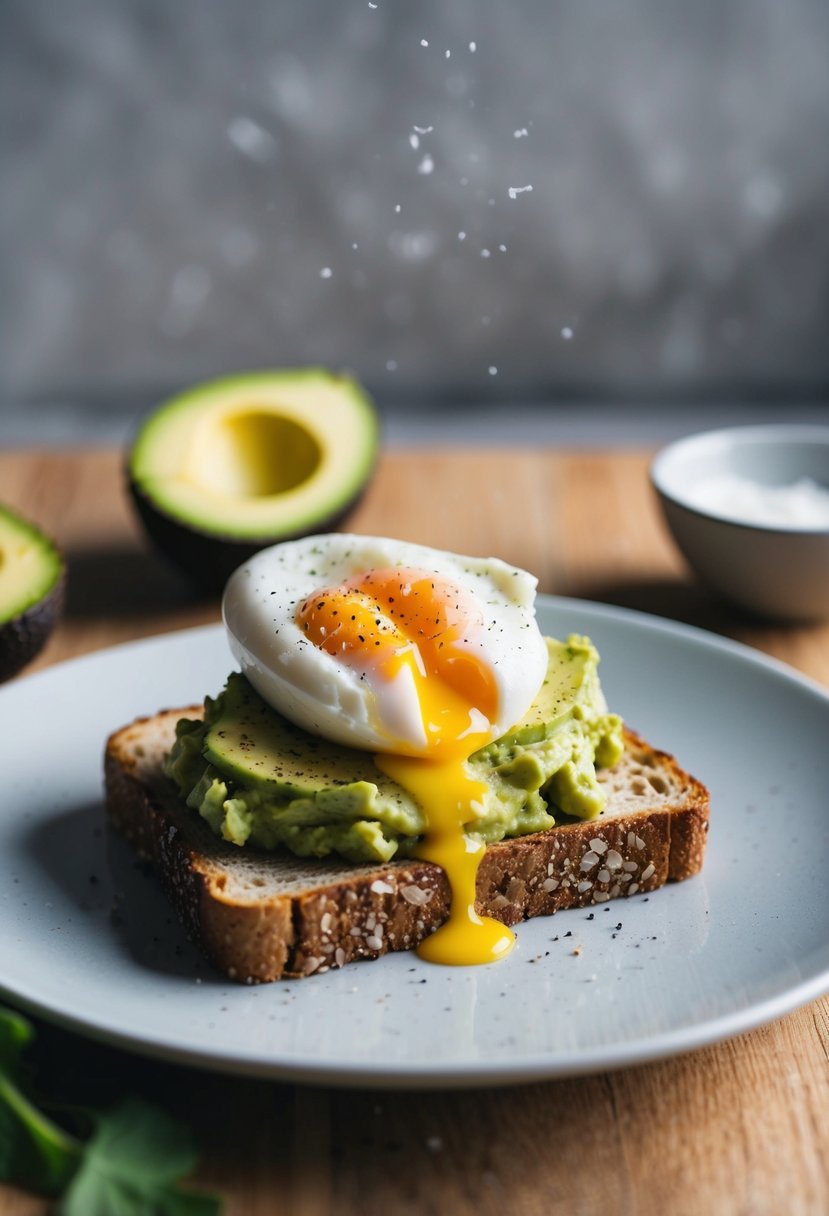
252,453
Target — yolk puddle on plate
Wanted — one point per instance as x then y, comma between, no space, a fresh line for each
395,618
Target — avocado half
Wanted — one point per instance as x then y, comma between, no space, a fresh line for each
32,580
234,465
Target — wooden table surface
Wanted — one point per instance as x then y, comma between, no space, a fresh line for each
742,1127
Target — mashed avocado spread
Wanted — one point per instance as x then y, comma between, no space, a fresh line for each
256,778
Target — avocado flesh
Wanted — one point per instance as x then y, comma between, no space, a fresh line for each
233,465
256,778
31,591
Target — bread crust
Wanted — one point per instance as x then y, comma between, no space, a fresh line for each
260,917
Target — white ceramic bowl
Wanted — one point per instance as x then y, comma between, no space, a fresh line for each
778,569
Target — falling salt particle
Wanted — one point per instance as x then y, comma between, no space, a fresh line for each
461,236
473,46
514,191
426,165
521,133
371,5
566,333
326,272
251,139
485,253
493,371
424,42
414,140
423,130
354,245
502,248
397,208
448,54
391,365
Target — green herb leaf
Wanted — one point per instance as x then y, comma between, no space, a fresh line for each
131,1165
34,1151
16,1032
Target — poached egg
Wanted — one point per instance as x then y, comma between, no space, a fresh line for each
416,655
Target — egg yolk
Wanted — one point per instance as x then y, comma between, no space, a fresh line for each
383,621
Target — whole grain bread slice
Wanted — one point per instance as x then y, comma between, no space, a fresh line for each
264,916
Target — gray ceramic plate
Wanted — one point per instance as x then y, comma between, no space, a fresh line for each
89,941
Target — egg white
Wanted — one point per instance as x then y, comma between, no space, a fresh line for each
361,708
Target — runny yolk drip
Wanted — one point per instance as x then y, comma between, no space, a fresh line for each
386,620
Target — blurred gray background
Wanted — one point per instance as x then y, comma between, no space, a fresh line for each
591,213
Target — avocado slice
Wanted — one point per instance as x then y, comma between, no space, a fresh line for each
32,578
234,465
255,745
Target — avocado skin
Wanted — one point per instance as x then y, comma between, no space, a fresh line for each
24,636
207,559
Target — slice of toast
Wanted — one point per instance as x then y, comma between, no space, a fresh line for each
266,916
